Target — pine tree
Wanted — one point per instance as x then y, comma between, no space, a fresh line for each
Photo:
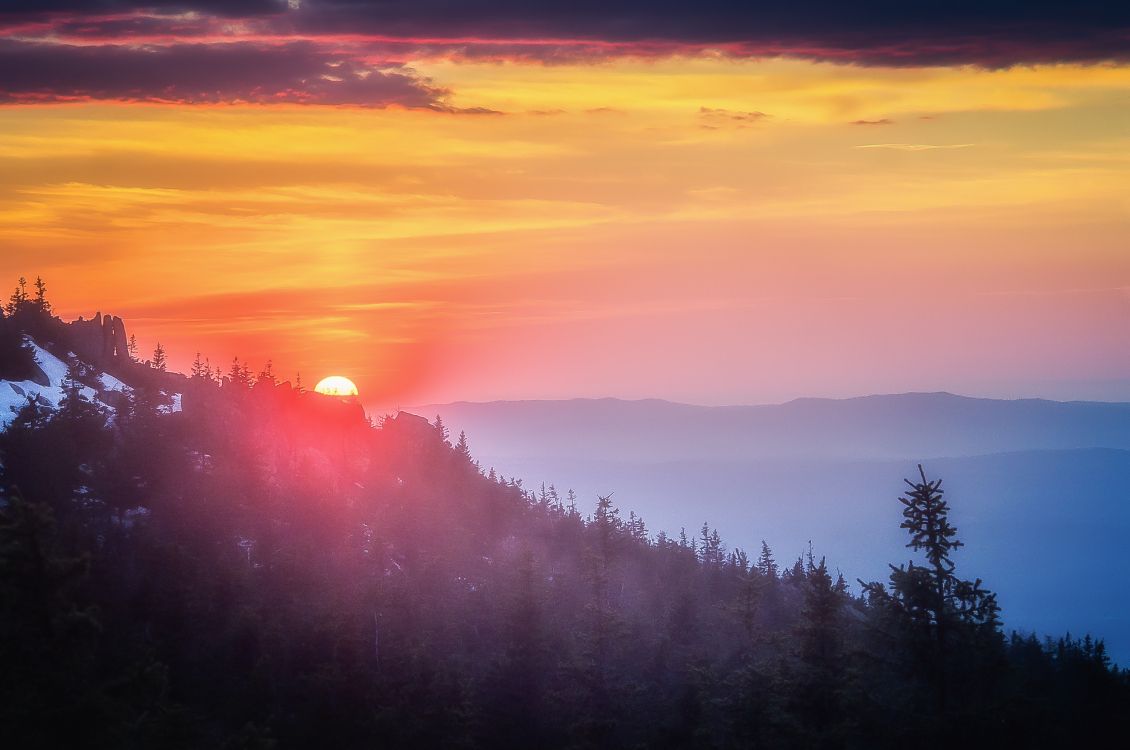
41,296
199,371
941,611
19,297
266,375
441,429
710,550
159,362
821,646
571,497
239,374
131,347
464,450
766,565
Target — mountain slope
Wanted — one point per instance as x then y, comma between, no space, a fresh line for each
828,472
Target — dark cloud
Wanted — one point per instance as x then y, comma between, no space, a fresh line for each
315,50
881,121
903,32
207,73
227,8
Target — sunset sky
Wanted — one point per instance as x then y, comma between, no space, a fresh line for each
706,202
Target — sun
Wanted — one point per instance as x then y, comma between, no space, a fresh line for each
336,385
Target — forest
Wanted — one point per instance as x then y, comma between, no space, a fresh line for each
251,565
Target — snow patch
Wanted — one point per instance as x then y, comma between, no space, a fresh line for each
54,368
173,406
110,383
15,394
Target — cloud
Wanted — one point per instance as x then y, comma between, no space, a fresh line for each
915,146
208,73
713,118
883,121
989,33
352,51
229,8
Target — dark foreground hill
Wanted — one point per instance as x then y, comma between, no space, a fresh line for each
266,568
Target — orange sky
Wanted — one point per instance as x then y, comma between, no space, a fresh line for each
697,228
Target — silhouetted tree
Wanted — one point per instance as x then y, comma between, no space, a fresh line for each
199,371
464,450
18,299
159,362
266,376
941,612
41,302
441,429
766,565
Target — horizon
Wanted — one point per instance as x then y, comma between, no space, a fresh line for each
1097,391
766,403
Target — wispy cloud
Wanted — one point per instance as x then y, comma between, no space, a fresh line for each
915,146
713,118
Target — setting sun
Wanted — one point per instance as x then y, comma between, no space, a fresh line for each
336,385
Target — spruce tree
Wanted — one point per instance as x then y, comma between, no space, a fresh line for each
766,565
19,297
159,361
41,296
943,613
198,368
441,429
266,376
464,450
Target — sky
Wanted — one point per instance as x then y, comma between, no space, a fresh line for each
707,202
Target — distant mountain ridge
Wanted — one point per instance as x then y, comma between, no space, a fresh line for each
915,425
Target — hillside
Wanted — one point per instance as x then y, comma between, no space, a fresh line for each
266,567
1027,476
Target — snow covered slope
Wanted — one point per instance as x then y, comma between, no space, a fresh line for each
14,394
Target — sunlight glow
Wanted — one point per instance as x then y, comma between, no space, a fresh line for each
336,385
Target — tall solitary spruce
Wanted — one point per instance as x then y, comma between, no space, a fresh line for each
941,612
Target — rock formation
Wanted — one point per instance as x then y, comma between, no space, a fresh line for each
101,339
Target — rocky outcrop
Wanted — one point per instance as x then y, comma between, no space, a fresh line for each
413,428
118,335
100,339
